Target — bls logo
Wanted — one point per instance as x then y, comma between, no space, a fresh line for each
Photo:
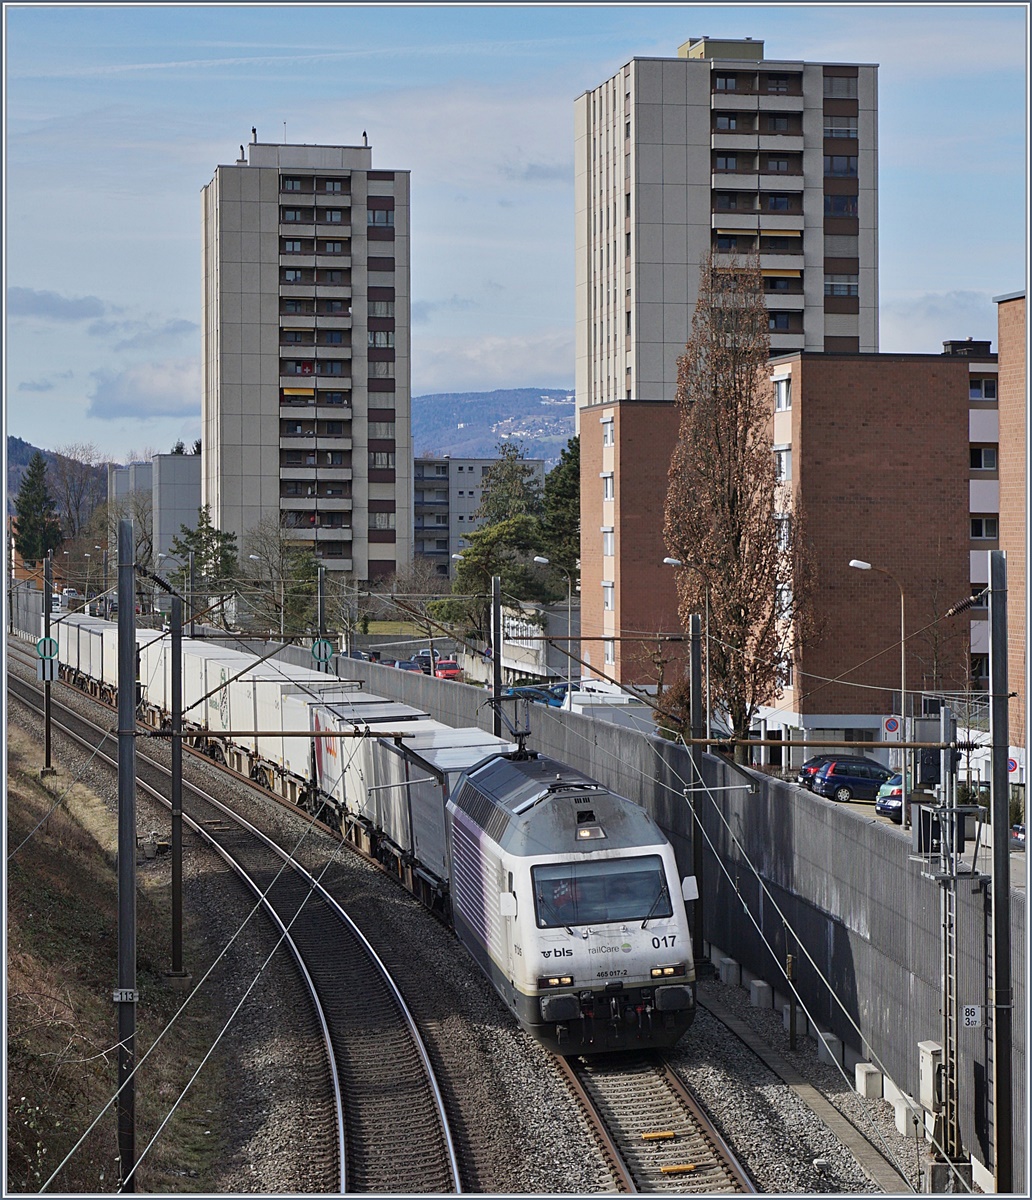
560,953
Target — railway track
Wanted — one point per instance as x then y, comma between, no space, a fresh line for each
390,1129
654,1135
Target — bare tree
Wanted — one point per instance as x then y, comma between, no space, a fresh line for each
280,578
729,519
79,484
411,595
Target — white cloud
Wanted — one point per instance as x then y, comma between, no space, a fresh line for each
920,323
481,364
157,389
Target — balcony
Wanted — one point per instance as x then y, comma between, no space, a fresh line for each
786,142
733,141
297,260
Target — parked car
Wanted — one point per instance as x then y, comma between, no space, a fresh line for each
559,690
812,765
425,657
536,694
56,602
447,668
409,664
1017,837
844,779
889,801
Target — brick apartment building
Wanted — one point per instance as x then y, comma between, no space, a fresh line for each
893,457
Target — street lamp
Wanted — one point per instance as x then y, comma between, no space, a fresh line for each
676,562
282,598
545,562
860,565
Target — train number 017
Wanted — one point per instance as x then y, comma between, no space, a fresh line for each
659,942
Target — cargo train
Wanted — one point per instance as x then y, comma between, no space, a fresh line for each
565,894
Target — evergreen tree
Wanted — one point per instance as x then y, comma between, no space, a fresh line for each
215,558
561,520
510,487
39,530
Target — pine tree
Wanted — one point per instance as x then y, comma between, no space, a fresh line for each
561,520
39,530
510,487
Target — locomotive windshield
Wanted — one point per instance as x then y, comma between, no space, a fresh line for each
594,893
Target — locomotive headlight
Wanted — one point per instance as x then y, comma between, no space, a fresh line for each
664,972
553,981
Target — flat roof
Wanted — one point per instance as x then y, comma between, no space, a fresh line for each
1009,296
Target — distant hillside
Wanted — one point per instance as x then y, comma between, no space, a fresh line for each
471,424
19,454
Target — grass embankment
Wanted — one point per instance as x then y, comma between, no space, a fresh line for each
62,1032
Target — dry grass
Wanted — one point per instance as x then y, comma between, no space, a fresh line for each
62,946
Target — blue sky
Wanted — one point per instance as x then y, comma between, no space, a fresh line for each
116,117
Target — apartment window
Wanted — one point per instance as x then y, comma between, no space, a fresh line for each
331,366
779,322
335,458
777,203
980,668
382,520
333,185
381,370
608,596
608,437
381,308
381,429
725,83
841,285
985,529
331,397
381,338
727,162
727,122
335,308
982,389
782,395
726,201
840,87
293,214
783,600
380,216
783,463
777,124
608,543
983,458
293,306
292,275
334,428
609,646
777,166
331,247
381,460
608,487
290,184
331,337
334,216
727,241
288,336
333,277
840,206
291,247
839,127
777,83
841,166
783,531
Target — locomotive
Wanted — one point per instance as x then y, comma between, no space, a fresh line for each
565,894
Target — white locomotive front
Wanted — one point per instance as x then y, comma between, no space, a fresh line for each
567,895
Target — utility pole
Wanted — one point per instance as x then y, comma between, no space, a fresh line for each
496,650
695,755
177,786
1002,998
126,995
48,592
321,614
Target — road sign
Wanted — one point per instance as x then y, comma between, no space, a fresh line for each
891,725
322,650
46,647
1012,765
46,670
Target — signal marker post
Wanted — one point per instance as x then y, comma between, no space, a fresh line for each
45,643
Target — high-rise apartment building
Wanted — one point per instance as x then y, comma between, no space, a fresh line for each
715,151
306,404
720,150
